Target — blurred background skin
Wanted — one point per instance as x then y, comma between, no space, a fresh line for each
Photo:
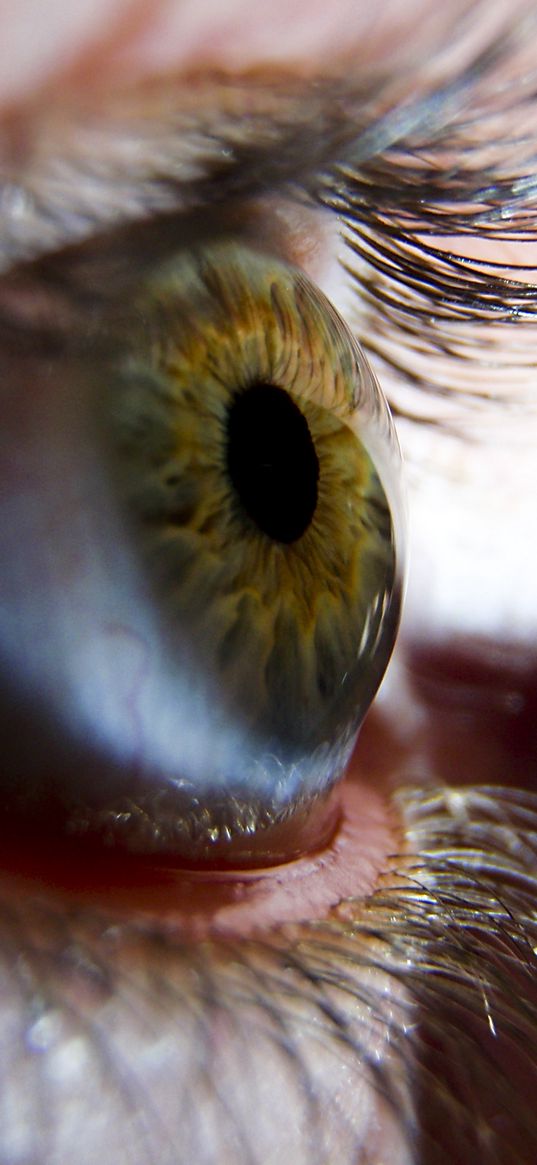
462,707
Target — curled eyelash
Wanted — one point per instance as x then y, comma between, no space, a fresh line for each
425,224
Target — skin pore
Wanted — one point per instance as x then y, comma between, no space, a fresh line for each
393,1020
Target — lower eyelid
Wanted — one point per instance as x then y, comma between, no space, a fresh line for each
196,906
150,1035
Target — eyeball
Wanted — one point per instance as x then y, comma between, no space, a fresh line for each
252,467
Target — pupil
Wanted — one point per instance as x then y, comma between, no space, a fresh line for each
272,462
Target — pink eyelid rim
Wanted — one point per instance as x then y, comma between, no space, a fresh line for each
238,904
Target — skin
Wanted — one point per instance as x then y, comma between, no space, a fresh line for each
122,1011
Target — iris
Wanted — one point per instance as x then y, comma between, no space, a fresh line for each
242,428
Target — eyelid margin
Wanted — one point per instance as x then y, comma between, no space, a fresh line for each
197,906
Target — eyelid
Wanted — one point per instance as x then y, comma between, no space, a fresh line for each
165,148
73,166
74,169
201,904
53,300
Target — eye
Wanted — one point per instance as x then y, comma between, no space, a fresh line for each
232,586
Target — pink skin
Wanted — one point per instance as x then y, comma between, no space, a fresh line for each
412,731
126,40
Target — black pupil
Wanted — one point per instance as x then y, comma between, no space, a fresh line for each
272,462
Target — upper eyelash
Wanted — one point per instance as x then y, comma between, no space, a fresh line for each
417,297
